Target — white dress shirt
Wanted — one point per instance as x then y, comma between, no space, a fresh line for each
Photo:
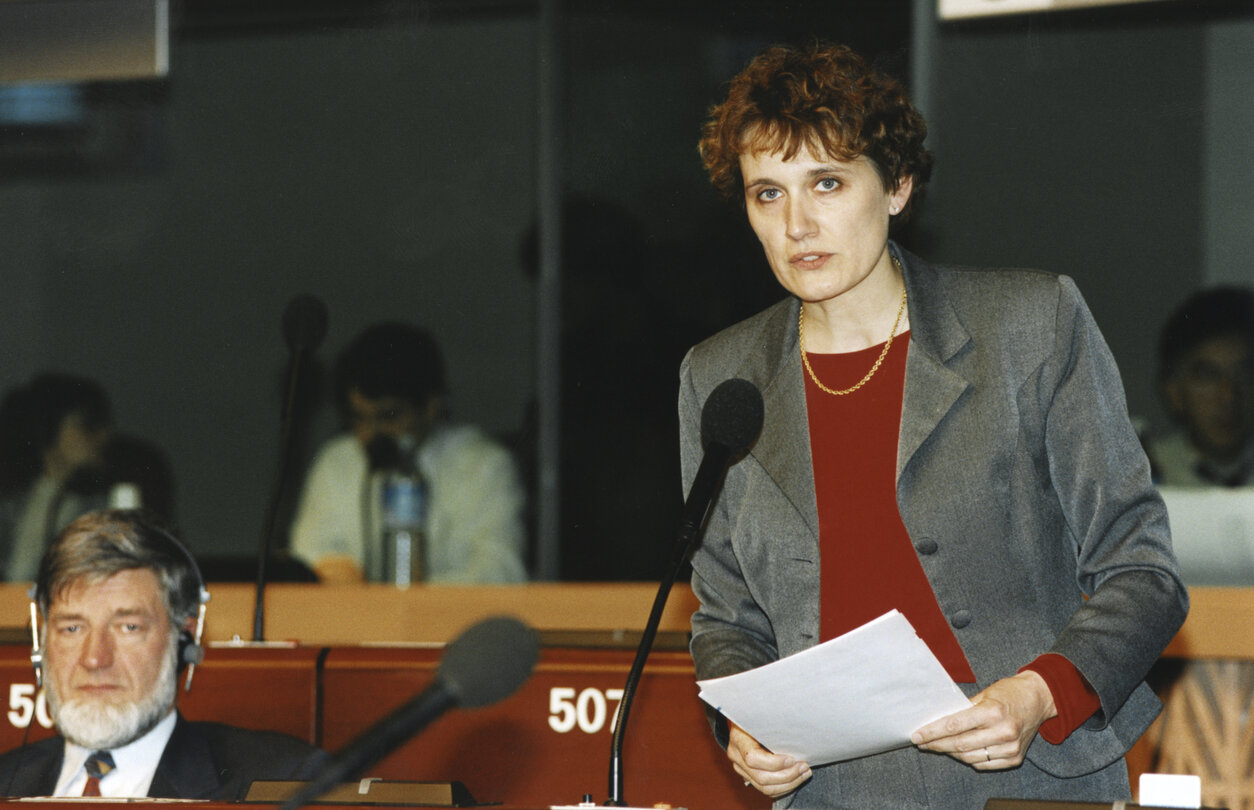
135,764
475,528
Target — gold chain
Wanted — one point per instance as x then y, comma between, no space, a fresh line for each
801,338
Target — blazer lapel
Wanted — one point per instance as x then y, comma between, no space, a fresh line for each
936,335
932,387
186,769
38,771
784,447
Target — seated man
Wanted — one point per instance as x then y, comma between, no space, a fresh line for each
390,388
1206,376
119,598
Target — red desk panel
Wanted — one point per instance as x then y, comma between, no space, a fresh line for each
273,689
549,743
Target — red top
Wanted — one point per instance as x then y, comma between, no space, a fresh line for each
868,562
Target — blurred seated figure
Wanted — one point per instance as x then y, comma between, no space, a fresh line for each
121,604
61,457
1206,377
390,388
135,472
53,433
1206,380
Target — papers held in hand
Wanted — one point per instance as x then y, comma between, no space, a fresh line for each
862,693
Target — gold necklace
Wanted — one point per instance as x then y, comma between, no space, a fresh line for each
801,338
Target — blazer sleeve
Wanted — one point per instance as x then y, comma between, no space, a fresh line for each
1134,600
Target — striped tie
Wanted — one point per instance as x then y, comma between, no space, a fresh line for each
98,764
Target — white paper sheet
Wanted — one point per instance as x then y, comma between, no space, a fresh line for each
862,693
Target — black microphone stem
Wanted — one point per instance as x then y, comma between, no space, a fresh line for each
276,491
700,497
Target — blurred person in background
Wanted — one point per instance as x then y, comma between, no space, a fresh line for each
60,457
1206,379
52,429
391,391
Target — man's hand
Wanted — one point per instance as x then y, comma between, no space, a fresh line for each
773,774
995,733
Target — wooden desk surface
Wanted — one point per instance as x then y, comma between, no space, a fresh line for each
353,614
1217,626
1220,625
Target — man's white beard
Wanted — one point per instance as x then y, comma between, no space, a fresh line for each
98,725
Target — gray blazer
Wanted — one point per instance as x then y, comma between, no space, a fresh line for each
1019,479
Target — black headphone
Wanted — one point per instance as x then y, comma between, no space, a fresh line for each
190,651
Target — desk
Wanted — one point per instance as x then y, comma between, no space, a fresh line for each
548,743
351,614
330,688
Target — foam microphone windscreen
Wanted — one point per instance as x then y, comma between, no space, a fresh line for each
732,415
489,661
304,323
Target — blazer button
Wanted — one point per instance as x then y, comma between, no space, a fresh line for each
926,545
960,618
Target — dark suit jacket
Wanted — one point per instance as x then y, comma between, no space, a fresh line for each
201,761
1019,479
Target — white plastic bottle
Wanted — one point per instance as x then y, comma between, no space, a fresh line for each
403,522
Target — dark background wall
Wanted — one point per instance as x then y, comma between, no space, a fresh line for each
382,156
388,170
1077,143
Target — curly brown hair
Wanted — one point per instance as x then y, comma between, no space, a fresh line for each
823,97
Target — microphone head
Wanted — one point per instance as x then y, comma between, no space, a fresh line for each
732,416
488,662
382,453
304,323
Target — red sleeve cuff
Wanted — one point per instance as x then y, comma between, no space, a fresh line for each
1074,699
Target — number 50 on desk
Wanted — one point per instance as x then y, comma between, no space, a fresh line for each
25,705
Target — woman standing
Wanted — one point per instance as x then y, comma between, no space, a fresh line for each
950,442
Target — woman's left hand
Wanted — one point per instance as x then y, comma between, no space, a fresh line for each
995,733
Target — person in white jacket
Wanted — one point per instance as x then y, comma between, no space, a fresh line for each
390,385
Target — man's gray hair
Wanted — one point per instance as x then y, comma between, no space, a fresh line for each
100,544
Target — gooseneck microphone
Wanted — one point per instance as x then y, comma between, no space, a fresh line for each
304,327
730,423
304,323
485,664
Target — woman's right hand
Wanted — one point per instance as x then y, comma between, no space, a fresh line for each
773,774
